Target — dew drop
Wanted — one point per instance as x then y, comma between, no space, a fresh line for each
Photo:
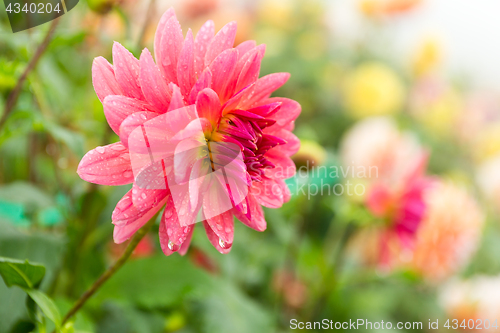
222,244
100,150
172,246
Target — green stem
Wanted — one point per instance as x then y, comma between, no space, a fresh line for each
330,279
139,235
12,99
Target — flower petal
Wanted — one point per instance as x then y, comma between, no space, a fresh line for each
108,165
103,79
127,71
128,219
244,47
284,166
292,144
172,234
215,240
132,122
117,108
202,41
185,66
160,31
208,106
221,42
223,226
263,88
288,112
177,101
248,67
268,193
203,82
222,69
153,84
170,48
254,216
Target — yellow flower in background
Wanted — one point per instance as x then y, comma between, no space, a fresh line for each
427,57
487,142
277,13
437,106
373,89
375,8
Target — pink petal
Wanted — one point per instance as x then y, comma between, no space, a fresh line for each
128,219
248,67
132,122
284,166
170,48
127,71
222,69
244,47
153,84
216,199
108,165
185,67
202,41
254,217
172,234
103,79
268,193
223,226
292,144
215,240
208,106
233,102
117,108
221,42
177,101
288,112
203,82
160,31
144,198
263,88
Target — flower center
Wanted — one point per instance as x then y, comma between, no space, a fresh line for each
244,130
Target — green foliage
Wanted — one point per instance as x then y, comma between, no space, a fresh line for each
22,274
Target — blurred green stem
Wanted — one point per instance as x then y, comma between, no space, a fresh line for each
139,235
14,94
330,278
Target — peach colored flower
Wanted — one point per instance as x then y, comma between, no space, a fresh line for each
449,234
476,298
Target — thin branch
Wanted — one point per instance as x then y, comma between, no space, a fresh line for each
14,94
111,271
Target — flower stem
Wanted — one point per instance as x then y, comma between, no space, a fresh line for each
330,279
14,94
139,235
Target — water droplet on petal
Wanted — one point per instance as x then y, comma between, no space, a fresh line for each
172,246
222,244
100,150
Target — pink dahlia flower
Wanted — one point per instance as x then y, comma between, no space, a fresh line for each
199,135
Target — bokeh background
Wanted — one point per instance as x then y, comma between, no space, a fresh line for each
403,85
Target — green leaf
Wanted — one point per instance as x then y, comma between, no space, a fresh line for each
21,273
45,304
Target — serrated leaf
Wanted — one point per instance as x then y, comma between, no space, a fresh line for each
46,304
21,273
